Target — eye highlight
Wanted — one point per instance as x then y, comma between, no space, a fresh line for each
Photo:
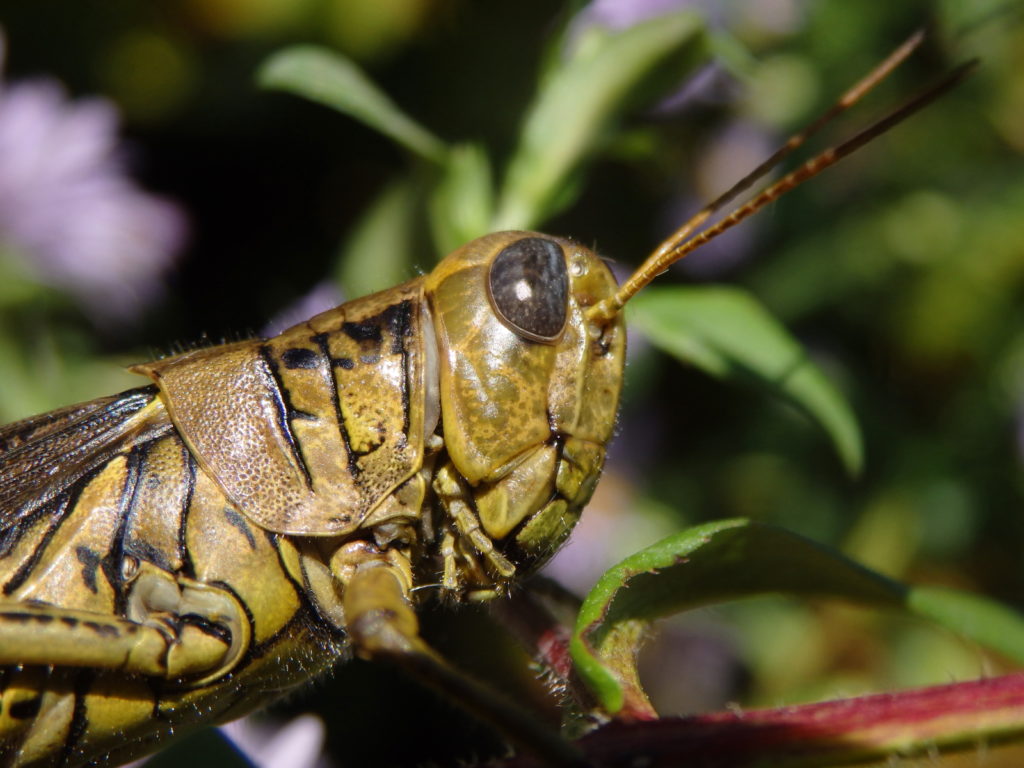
529,288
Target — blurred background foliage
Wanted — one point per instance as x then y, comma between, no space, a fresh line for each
902,271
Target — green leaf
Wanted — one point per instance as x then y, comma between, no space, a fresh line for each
727,333
377,254
730,559
580,102
992,624
732,55
18,285
46,365
327,77
463,203
709,563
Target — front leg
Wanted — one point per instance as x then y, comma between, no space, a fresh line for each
383,625
455,496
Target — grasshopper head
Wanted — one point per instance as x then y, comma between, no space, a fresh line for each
532,343
529,382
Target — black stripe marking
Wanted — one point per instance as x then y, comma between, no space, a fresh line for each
26,708
353,466
103,630
184,556
234,518
307,618
399,317
156,687
282,403
300,590
63,504
79,716
247,657
10,537
112,563
26,617
323,621
207,627
90,562
133,475
143,550
344,362
366,330
300,357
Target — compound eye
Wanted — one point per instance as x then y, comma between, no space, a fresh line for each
529,288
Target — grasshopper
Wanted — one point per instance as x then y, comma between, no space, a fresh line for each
184,552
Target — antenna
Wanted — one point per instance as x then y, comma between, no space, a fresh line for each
683,241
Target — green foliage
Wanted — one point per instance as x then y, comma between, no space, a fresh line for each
581,100
727,333
331,79
902,272
733,559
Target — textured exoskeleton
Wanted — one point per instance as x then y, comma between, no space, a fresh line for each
182,553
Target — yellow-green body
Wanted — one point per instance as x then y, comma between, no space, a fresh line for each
180,554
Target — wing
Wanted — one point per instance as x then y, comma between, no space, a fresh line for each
43,455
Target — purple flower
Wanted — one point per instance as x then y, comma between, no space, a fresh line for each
299,743
321,297
69,212
620,14
296,744
773,16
